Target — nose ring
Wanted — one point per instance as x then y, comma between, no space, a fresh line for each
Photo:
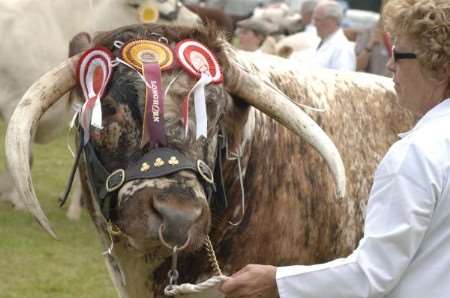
166,244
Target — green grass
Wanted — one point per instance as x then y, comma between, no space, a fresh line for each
33,265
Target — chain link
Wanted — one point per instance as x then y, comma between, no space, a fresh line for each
212,257
173,272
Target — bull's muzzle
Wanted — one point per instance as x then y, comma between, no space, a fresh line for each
179,213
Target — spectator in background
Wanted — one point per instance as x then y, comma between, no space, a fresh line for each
334,50
251,33
372,51
306,12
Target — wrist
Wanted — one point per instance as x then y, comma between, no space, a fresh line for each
368,49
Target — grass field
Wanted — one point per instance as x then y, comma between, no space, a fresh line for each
33,265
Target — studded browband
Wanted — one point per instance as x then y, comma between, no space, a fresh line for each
156,163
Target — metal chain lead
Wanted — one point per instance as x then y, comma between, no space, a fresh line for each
174,290
173,272
212,257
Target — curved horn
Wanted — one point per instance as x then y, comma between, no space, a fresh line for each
272,102
22,127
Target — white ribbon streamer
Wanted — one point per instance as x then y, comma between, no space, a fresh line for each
201,116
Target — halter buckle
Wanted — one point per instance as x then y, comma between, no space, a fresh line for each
205,171
115,180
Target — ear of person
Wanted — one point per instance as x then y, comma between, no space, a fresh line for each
442,76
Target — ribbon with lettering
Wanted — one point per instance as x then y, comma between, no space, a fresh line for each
153,129
93,72
198,61
150,58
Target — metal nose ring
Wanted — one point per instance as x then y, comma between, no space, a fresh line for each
166,244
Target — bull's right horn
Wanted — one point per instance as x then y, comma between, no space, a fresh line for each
22,127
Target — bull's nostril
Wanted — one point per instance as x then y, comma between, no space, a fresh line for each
177,247
179,214
177,208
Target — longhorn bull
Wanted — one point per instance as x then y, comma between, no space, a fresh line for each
278,181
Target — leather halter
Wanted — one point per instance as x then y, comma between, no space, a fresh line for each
156,163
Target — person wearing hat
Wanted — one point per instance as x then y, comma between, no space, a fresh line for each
251,33
306,12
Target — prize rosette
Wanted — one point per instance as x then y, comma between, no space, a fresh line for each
94,73
196,59
138,52
199,62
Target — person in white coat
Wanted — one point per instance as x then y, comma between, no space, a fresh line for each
334,51
306,12
405,250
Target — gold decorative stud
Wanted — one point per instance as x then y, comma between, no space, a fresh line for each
145,167
173,161
159,162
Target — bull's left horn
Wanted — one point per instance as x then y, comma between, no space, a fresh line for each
22,127
257,93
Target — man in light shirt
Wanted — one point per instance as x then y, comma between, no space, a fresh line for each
334,50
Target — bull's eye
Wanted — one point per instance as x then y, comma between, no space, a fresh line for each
108,110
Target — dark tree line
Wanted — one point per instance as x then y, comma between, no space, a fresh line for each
373,5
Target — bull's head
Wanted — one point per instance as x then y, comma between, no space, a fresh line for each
173,206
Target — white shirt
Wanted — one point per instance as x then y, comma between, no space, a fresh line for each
310,28
405,251
336,52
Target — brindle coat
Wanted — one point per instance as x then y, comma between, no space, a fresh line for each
291,213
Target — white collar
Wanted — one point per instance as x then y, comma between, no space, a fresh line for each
442,109
335,35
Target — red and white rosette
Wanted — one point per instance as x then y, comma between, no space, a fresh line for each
195,58
198,61
94,72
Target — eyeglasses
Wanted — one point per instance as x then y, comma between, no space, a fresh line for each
400,55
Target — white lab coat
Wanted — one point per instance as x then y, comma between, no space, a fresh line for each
310,28
405,251
336,52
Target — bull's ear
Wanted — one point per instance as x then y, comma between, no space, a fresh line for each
80,43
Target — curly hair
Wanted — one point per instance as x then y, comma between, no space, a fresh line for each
427,24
